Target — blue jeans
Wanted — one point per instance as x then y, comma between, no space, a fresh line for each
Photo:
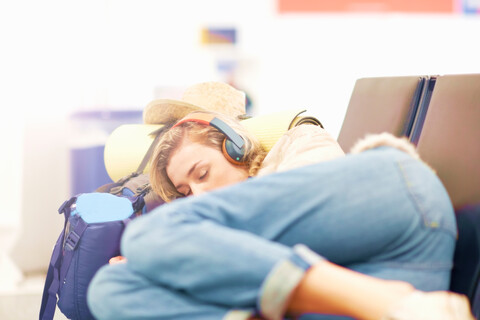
380,212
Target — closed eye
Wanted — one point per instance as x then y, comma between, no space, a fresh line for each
203,174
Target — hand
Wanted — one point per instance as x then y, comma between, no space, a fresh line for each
117,259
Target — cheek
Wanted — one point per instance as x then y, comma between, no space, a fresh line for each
232,174
224,173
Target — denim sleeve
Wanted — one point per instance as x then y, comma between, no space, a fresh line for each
213,263
282,280
279,285
118,293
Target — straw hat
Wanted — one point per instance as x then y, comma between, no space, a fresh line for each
211,96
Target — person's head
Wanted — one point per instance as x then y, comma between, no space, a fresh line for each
189,160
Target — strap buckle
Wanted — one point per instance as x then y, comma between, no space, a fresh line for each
72,240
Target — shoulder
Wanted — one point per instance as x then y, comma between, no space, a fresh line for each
302,145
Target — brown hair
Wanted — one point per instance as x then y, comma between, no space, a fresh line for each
200,133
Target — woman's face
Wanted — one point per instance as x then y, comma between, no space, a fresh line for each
195,168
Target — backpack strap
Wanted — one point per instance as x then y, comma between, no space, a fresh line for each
59,262
70,244
143,191
152,200
157,133
49,296
117,186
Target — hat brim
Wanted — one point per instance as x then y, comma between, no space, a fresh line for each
164,111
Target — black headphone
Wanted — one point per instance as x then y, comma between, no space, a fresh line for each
233,146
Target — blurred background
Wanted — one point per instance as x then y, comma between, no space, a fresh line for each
72,71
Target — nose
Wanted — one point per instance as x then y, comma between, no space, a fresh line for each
197,189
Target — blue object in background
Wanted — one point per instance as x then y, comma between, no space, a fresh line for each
471,7
90,132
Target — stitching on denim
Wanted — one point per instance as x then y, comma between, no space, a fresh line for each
412,195
434,225
421,266
429,266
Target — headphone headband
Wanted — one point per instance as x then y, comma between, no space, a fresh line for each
233,144
199,117
212,120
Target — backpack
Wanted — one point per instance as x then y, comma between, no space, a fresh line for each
94,224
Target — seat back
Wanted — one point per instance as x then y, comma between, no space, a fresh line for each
381,104
449,140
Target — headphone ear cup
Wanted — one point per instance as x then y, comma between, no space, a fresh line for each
233,154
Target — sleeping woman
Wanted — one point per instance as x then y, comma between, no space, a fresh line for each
302,230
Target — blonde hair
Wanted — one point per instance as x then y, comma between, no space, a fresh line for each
207,135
